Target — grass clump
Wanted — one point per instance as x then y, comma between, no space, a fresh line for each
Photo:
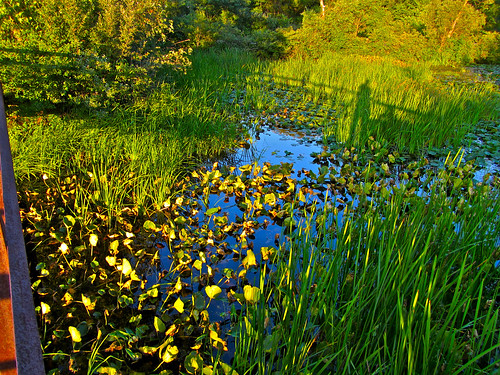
405,284
398,104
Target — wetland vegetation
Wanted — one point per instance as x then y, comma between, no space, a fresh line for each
165,237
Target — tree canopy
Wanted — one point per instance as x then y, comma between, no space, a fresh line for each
99,52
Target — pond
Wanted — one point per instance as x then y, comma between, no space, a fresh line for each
237,213
174,289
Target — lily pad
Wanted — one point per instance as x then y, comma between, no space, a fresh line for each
251,293
213,291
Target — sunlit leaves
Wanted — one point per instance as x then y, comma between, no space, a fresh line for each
216,340
213,291
212,211
69,221
67,299
108,370
75,334
113,246
148,350
149,225
193,363
63,248
198,264
251,293
93,239
88,302
179,305
125,300
228,370
45,308
126,268
270,199
159,325
170,353
111,260
249,260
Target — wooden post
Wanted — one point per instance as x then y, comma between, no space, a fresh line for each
20,349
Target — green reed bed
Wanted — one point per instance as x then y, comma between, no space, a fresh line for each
133,155
408,284
395,103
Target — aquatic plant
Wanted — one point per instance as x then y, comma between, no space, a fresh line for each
397,104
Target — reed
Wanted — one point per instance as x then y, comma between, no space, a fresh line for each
407,284
397,104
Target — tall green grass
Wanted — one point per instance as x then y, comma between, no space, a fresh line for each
395,103
134,155
407,285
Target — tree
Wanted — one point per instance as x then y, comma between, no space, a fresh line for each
85,51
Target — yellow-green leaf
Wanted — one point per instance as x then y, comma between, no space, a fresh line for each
249,260
108,370
93,239
252,293
45,308
212,291
149,225
159,325
126,267
193,362
179,305
113,246
212,211
270,199
75,334
170,354
197,264
111,260
134,277
228,370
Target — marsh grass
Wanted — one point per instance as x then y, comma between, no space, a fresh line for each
397,104
404,285
133,155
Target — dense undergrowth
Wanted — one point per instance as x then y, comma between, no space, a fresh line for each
383,265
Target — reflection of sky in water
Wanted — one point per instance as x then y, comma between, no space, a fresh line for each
278,146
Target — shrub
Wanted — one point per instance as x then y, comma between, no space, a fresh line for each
96,52
447,32
270,44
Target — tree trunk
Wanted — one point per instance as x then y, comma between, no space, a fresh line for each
447,36
322,4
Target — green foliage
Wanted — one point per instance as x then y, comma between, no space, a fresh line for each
270,44
356,97
81,51
382,282
207,22
445,32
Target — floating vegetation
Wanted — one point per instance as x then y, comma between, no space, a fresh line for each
160,293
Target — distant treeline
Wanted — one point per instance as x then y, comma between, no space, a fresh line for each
103,52
443,31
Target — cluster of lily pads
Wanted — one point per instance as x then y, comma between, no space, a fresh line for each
162,293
